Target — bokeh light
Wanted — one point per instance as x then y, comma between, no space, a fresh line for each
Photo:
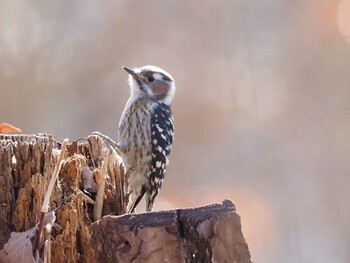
343,18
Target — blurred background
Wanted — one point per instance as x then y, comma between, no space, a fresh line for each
262,108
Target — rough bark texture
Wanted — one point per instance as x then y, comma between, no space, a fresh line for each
26,166
207,234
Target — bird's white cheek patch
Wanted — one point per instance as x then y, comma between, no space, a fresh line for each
157,76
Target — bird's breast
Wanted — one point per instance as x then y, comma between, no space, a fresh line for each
135,135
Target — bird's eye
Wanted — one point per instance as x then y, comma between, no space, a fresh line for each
150,79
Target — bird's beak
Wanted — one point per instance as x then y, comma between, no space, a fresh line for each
131,71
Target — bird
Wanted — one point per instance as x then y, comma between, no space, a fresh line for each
146,133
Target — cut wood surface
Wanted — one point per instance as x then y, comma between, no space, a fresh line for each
207,234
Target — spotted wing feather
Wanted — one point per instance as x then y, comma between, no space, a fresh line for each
162,130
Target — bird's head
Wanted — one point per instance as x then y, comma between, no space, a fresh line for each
152,83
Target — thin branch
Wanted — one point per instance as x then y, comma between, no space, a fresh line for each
45,206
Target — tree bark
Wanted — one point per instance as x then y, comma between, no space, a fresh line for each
206,234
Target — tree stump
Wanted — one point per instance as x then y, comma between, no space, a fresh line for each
206,234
